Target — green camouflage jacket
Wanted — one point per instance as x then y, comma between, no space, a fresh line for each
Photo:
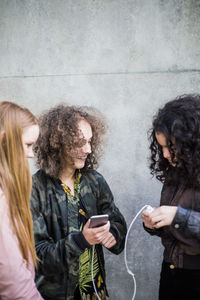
56,249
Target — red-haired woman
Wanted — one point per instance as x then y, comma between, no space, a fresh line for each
18,132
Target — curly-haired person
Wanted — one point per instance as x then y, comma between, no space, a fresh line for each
66,192
175,161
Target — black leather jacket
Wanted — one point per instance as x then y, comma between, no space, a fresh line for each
181,239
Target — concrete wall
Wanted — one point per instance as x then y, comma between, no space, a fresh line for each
124,57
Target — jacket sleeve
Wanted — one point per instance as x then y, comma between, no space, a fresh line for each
154,231
187,222
106,205
54,256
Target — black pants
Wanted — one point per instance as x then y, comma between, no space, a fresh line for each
179,284
77,295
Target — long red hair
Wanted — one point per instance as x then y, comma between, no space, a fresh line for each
15,176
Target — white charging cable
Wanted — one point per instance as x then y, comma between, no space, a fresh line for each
93,248
149,209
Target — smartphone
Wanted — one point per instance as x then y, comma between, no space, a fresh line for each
97,221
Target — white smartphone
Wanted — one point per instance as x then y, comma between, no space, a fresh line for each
97,221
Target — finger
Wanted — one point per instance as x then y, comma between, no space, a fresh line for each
145,213
156,219
154,214
159,224
146,219
99,237
147,222
148,225
87,224
106,242
108,224
110,243
106,238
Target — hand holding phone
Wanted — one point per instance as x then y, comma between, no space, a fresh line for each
96,229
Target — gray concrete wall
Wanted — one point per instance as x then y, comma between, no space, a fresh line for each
124,57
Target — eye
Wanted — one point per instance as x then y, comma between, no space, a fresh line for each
29,145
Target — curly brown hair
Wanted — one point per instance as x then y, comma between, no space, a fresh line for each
59,134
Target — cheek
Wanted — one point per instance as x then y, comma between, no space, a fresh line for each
25,148
72,154
26,152
77,152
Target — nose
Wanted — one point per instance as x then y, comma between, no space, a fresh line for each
87,148
166,153
30,154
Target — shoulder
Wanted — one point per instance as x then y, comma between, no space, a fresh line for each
96,181
39,176
93,175
39,187
44,187
41,180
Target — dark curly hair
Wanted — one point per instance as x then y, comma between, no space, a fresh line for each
59,134
179,122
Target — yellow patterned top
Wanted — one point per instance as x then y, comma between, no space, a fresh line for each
85,259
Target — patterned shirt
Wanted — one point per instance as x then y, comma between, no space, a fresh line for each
80,270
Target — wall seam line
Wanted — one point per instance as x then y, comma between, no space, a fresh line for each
104,74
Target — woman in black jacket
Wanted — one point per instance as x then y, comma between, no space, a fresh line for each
175,161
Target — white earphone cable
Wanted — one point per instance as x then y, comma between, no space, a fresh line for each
125,250
93,248
125,257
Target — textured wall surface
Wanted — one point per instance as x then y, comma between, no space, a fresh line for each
126,58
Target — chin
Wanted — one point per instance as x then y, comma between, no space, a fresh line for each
79,165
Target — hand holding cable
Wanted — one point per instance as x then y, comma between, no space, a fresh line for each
161,216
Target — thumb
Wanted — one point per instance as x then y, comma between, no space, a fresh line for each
87,224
